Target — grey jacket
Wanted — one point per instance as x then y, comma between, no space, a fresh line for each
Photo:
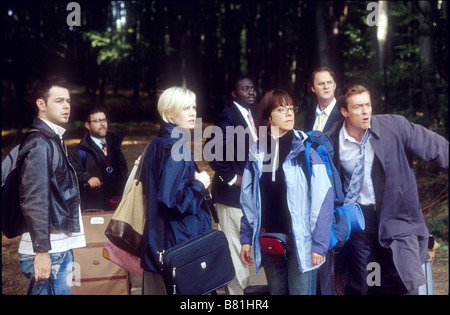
401,224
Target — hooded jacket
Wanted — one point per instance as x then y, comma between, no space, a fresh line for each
311,208
170,188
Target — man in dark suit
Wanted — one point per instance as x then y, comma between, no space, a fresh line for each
226,184
323,85
99,163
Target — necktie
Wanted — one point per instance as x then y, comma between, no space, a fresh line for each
252,125
105,151
358,173
319,123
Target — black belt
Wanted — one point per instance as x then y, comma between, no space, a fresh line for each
368,207
370,218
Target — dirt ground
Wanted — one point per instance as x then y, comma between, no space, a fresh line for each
135,141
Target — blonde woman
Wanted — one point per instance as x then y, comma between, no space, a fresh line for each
172,186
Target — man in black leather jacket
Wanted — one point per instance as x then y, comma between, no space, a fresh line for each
49,196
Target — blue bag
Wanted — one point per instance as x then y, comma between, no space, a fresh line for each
346,219
323,145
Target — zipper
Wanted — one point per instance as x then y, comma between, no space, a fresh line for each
174,274
191,244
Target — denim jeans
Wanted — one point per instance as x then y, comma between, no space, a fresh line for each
61,273
283,275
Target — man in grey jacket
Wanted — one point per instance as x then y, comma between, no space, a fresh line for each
374,157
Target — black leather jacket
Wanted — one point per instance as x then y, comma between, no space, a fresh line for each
49,194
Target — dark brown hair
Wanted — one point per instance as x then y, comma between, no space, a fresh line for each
322,69
269,102
42,87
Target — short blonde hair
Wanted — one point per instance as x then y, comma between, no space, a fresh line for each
173,100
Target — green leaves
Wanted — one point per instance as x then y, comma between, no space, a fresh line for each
112,45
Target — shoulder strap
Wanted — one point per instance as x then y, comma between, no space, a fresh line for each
82,154
304,157
209,202
55,157
308,145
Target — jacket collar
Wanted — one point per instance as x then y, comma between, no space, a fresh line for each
167,129
45,129
374,128
256,152
112,140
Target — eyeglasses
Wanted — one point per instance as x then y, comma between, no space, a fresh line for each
97,121
245,89
283,110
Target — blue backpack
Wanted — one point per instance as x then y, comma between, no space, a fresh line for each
323,145
345,218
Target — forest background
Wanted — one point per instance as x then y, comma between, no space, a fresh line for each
122,54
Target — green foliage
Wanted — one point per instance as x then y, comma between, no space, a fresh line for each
438,227
111,46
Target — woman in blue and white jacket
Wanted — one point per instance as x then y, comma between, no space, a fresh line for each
280,200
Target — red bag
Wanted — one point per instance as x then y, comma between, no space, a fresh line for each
122,258
273,243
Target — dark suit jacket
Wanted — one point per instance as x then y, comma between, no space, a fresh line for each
310,117
94,165
228,167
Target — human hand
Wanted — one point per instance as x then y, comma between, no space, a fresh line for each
42,266
94,182
245,254
238,181
203,177
317,259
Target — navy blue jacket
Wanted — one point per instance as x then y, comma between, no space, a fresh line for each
227,168
170,187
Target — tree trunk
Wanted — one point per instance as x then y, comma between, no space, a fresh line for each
427,62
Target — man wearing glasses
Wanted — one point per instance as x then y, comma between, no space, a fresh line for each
100,164
226,184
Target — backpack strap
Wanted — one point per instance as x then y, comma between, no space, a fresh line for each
82,154
308,145
304,158
55,157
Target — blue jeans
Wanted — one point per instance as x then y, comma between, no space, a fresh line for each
61,273
283,275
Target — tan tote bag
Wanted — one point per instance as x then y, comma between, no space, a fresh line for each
126,227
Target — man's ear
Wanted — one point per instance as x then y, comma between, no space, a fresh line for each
344,112
40,104
87,125
233,94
